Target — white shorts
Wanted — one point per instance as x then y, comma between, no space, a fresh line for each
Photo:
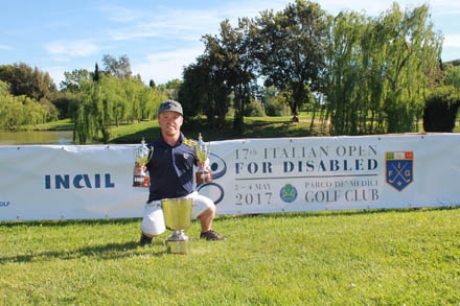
153,222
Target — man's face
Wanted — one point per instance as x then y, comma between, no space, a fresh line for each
170,123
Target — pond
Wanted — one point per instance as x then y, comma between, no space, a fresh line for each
36,137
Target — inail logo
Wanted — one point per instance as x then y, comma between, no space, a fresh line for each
79,181
4,203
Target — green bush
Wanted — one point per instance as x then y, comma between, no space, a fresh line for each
441,110
276,108
254,109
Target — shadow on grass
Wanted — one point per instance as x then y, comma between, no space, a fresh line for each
70,222
131,249
100,252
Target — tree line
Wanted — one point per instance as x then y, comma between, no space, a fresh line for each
356,74
94,100
359,75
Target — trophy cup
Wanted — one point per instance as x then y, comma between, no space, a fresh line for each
178,215
203,174
143,155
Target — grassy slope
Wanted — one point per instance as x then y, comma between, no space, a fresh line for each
260,127
254,127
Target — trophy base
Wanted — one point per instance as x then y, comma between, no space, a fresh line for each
203,176
140,178
138,183
178,243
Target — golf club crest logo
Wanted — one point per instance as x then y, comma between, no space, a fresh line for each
399,169
288,193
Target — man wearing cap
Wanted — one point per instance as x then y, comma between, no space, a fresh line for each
171,176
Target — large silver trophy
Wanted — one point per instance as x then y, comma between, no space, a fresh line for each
178,215
203,174
143,156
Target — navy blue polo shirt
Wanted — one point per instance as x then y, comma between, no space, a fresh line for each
171,169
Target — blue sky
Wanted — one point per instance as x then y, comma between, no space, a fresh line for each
159,37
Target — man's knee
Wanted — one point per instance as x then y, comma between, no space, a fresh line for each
208,212
152,229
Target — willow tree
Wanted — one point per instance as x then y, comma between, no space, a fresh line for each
94,113
411,57
107,100
112,91
346,106
380,80
93,117
132,96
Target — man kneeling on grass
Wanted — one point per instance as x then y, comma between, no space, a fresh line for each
171,176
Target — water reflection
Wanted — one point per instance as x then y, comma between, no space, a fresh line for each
36,137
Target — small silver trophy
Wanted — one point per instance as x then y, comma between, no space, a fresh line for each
177,215
203,174
143,156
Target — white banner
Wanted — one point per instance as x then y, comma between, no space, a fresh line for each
249,176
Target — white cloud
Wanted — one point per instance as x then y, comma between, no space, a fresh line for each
191,24
6,47
133,32
77,48
120,14
166,66
451,41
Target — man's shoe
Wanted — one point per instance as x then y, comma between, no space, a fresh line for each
212,235
145,240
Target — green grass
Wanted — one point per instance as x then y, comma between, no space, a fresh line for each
384,257
255,127
58,125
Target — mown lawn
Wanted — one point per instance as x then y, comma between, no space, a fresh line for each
383,257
